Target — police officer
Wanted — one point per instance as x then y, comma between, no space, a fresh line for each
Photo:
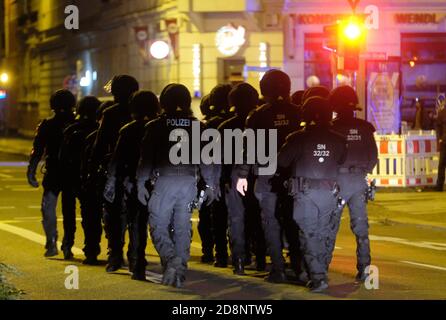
314,154
91,197
205,212
48,139
70,157
144,106
240,210
219,101
170,205
115,117
440,131
361,158
278,113
316,91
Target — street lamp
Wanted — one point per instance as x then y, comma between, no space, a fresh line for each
4,78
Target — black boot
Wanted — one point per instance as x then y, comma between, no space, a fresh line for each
276,276
51,248
239,268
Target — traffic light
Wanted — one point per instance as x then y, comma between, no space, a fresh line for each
352,37
345,38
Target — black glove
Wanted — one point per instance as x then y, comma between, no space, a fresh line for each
109,190
143,193
210,195
31,175
277,183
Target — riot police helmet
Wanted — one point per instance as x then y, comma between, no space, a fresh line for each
176,98
275,84
344,99
316,91
123,86
62,101
317,110
143,104
219,99
87,107
244,98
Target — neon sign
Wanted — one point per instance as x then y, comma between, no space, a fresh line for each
229,39
3,94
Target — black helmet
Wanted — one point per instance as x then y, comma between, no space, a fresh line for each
316,91
296,97
88,106
275,84
219,98
144,104
123,86
317,109
62,100
343,98
205,105
244,97
175,96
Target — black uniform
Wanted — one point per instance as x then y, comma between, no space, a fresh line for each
361,158
91,201
70,157
245,224
122,168
284,117
314,154
218,211
441,137
171,201
48,140
114,118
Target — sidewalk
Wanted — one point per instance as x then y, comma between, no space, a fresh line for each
424,209
19,146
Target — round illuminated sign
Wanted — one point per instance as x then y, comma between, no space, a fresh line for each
159,49
230,39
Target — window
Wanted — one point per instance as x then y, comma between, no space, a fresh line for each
317,61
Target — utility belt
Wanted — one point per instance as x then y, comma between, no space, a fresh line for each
301,184
177,172
352,170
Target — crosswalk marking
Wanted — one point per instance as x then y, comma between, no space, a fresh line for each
425,265
33,236
420,244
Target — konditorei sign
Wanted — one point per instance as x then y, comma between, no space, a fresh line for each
230,39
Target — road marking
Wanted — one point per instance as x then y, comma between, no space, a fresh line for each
421,244
7,208
33,236
13,164
14,179
425,265
24,189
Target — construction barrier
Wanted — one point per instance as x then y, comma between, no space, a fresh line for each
407,160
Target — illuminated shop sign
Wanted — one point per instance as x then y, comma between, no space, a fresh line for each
229,39
3,94
416,18
370,16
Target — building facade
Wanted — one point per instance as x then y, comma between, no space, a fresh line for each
210,42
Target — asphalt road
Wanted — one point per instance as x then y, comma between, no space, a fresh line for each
411,258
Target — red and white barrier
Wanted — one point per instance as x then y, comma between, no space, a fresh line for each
406,160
